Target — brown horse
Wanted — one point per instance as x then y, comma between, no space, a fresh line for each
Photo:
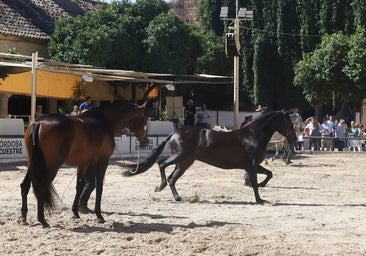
244,148
83,140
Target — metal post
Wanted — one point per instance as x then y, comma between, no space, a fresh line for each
236,92
240,14
236,78
34,86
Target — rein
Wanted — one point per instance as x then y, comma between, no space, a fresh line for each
138,162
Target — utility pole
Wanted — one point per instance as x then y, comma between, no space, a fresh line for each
233,49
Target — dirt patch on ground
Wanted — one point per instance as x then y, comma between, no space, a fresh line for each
317,206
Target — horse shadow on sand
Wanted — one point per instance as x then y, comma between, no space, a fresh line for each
145,228
289,204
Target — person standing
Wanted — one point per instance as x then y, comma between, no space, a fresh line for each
86,105
75,110
203,117
353,133
340,135
247,120
189,113
325,131
89,178
332,125
314,130
39,112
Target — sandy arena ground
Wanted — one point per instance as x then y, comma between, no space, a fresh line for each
317,206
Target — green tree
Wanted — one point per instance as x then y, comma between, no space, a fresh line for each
321,73
308,13
355,67
111,37
209,11
359,12
213,59
171,46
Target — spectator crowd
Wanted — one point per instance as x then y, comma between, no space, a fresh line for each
332,134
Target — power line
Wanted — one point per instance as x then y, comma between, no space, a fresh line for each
279,33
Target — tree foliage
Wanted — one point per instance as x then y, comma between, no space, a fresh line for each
335,70
311,43
171,47
111,37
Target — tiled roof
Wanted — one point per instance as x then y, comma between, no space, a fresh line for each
36,18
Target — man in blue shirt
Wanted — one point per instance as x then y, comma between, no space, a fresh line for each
90,172
86,105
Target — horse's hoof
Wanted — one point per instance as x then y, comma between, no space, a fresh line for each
157,189
23,221
262,202
84,209
100,220
248,184
178,198
45,224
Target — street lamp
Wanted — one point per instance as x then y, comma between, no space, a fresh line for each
232,48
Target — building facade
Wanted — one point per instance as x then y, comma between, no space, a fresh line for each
26,26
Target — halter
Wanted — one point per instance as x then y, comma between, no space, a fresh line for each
145,128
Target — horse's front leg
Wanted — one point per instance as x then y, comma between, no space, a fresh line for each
80,182
268,173
252,176
247,181
24,187
100,173
254,182
288,152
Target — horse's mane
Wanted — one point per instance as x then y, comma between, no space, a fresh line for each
107,107
265,116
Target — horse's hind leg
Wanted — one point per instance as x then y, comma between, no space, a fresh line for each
277,151
24,187
40,213
100,170
80,181
176,174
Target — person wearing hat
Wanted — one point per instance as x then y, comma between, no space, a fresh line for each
189,113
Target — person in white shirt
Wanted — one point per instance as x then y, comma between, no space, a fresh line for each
325,131
340,135
203,117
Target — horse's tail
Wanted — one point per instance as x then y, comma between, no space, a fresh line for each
41,179
149,161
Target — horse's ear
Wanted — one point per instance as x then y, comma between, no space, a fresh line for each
143,108
144,105
286,112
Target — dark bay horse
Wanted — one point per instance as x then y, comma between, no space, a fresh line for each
244,148
83,140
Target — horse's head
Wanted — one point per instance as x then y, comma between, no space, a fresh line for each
138,125
287,128
298,123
